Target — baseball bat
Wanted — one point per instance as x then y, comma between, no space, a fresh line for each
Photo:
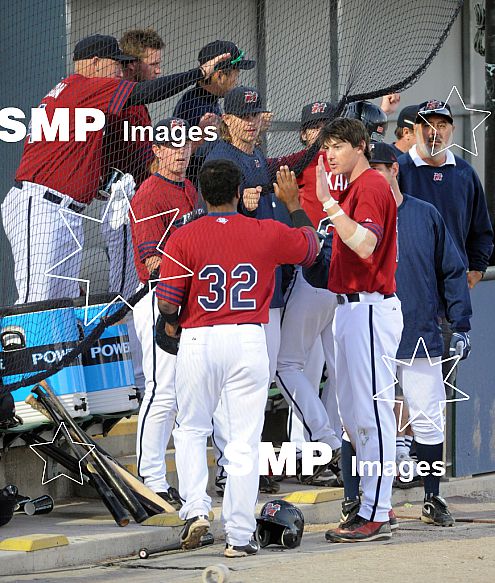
113,505
122,491
152,503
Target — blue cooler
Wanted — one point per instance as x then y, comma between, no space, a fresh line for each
34,336
108,369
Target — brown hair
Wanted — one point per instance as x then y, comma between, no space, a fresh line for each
224,132
347,130
135,42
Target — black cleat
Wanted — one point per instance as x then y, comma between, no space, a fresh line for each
360,530
435,511
193,531
309,479
172,497
250,549
349,511
268,485
220,482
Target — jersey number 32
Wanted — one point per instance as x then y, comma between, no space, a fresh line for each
244,277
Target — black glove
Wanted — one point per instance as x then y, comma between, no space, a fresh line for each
460,345
167,343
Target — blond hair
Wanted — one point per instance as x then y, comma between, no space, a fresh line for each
135,42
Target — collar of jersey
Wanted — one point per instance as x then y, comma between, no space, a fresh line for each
222,214
179,184
413,152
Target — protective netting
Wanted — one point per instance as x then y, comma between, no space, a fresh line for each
66,242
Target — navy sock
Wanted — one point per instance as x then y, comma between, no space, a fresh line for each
351,482
430,454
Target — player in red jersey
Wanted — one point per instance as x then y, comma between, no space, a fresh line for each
223,352
368,320
65,174
163,202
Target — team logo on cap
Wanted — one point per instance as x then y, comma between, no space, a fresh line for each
433,104
438,177
177,123
271,509
250,97
318,108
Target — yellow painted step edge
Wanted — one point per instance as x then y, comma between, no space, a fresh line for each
169,519
314,496
33,542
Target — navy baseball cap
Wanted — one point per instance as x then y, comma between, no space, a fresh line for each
434,107
382,153
243,101
163,133
315,112
102,46
220,47
407,116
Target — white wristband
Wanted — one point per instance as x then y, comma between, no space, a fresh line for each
329,204
337,214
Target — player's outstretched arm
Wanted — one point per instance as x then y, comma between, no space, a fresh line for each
359,239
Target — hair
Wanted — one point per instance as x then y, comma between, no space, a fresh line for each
224,132
219,181
347,130
399,132
135,42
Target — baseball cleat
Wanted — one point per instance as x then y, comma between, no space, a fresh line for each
349,511
435,511
232,551
268,485
194,529
309,479
393,520
172,497
220,482
360,530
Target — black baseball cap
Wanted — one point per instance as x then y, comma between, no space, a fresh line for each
243,101
102,46
315,112
162,137
220,47
407,116
382,153
434,107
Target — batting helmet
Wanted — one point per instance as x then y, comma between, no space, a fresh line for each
280,523
371,115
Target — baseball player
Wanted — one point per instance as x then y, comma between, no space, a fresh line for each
430,271
368,319
165,190
59,174
223,352
404,132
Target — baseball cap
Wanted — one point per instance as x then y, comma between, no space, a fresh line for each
407,116
165,132
434,107
100,45
315,112
382,153
220,47
243,100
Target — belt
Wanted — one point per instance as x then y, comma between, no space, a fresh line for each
56,199
341,298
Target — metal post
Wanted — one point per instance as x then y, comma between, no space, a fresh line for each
490,106
334,51
261,57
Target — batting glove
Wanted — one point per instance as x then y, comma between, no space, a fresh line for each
167,343
460,345
122,192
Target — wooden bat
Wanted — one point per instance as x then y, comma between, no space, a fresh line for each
119,513
125,495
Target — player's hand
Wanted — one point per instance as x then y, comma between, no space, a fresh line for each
473,278
266,121
209,119
251,198
390,103
322,190
209,67
286,189
460,345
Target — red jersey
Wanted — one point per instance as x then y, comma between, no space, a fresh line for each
157,195
369,201
132,156
307,189
233,259
73,168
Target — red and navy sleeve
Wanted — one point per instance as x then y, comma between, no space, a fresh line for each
120,96
171,287
294,246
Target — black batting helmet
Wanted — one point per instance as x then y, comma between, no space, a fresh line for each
371,115
280,523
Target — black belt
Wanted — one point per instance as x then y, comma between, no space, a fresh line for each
356,298
56,199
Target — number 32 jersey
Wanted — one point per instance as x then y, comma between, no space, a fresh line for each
233,259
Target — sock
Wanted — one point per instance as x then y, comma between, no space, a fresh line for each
351,482
400,448
408,439
430,454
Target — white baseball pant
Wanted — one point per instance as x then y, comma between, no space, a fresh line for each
122,278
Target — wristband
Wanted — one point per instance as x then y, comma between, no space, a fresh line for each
356,238
299,218
329,204
171,318
339,213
